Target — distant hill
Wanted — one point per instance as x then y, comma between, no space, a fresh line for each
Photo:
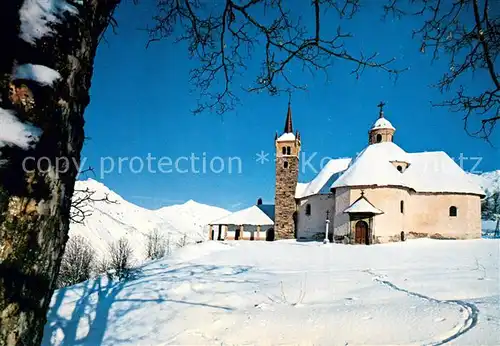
109,222
489,181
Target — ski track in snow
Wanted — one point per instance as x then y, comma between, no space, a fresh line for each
469,310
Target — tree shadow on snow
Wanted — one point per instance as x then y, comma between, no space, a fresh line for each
105,294
94,299
92,307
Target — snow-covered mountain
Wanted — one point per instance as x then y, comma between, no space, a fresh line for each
109,222
489,181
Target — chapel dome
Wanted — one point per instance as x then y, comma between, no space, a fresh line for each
382,130
382,123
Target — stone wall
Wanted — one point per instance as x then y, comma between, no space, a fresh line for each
285,205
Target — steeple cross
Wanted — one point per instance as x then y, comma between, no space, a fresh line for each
381,106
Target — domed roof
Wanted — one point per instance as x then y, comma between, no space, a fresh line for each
382,123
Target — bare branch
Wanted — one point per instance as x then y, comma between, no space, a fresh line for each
81,204
470,40
225,37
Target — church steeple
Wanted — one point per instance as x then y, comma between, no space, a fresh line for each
287,170
288,122
382,130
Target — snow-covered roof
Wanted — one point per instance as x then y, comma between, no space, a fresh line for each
437,172
286,137
268,209
321,183
362,205
382,123
427,172
249,216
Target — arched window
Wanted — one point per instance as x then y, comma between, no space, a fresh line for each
379,138
288,150
285,164
403,238
453,211
308,209
402,207
283,150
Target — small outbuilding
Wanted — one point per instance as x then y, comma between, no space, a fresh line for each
254,223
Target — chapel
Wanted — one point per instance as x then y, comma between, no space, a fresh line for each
383,194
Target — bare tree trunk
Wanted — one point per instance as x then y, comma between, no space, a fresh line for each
35,205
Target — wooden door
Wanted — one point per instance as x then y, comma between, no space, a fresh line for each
361,233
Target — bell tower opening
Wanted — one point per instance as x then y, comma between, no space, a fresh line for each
287,171
382,130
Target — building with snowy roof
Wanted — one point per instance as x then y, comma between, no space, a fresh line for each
383,194
386,194
254,223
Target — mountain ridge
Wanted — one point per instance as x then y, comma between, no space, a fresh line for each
109,221
489,181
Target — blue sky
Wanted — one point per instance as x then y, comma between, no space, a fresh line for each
141,101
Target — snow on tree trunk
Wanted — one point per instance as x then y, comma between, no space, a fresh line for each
44,89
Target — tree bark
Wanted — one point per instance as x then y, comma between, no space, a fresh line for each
35,205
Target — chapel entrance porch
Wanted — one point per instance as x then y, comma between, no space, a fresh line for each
361,229
361,219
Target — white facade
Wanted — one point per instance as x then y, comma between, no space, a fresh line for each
313,224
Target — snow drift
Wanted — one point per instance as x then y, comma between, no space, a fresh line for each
421,292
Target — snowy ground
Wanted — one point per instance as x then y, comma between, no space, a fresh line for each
418,292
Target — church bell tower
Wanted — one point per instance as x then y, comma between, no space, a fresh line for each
382,130
287,171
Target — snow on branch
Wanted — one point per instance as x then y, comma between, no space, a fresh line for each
39,73
37,16
16,133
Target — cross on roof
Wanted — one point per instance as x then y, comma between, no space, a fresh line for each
381,106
